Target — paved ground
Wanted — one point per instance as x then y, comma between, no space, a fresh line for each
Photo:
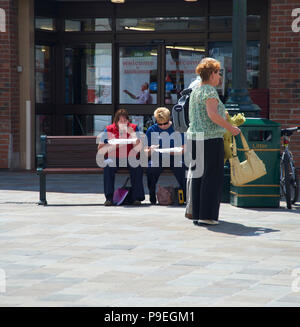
76,252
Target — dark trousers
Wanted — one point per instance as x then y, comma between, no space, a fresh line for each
153,174
136,179
207,190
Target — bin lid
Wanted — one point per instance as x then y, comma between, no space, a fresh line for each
251,121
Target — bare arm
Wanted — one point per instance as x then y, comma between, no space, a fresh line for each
149,149
213,114
179,153
130,94
104,148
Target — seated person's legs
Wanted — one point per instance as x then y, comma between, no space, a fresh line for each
153,174
180,175
109,182
136,177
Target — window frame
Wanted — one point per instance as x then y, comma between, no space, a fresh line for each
59,38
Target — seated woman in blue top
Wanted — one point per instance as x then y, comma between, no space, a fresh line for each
161,135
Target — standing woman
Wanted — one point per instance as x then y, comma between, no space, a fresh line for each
207,115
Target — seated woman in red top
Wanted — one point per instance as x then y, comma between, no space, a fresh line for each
118,145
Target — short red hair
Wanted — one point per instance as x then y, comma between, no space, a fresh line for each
206,67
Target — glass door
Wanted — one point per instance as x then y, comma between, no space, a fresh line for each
155,75
152,76
138,75
180,64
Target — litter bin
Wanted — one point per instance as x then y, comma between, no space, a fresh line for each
263,136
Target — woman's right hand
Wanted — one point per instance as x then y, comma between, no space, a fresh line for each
234,130
153,147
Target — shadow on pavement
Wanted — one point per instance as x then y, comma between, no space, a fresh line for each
74,205
29,181
95,205
237,229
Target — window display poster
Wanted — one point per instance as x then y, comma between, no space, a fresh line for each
91,85
99,84
103,89
182,66
180,72
135,81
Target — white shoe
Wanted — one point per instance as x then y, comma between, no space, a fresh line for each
208,222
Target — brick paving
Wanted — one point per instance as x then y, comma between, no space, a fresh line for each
77,252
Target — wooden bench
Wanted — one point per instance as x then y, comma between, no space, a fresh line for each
69,155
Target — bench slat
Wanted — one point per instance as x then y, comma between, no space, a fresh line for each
98,170
71,152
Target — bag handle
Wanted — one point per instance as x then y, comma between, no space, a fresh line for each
245,145
234,152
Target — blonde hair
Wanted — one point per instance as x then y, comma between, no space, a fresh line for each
162,114
206,67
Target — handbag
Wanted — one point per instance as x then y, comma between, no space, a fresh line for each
165,195
247,171
122,195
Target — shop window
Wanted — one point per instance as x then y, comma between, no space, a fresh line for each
222,51
95,124
220,23
88,74
138,120
253,23
224,23
43,74
86,124
88,25
161,24
181,62
138,75
45,23
143,121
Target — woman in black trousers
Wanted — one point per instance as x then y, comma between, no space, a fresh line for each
208,118
210,185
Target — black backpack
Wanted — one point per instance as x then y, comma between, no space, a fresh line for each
180,111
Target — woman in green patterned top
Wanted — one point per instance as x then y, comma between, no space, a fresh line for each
207,116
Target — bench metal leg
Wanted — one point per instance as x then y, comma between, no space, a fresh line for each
43,200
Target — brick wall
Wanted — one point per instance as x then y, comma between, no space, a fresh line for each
9,88
284,79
